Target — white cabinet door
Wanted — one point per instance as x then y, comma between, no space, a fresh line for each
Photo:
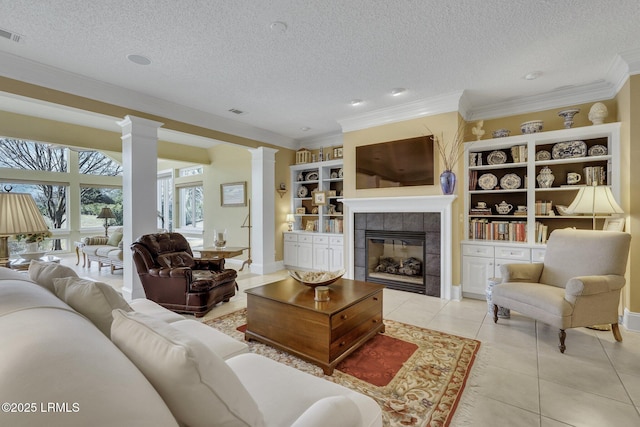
336,257
290,254
320,257
305,255
476,271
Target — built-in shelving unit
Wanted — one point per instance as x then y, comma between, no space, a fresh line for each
504,172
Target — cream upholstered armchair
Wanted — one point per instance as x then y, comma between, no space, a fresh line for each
578,284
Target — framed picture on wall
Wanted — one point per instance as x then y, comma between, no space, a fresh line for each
233,194
614,224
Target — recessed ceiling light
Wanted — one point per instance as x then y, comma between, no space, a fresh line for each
305,128
356,102
398,91
533,75
139,59
278,26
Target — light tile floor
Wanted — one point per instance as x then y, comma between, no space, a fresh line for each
519,378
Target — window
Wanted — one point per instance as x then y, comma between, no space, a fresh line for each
195,170
191,207
165,202
96,163
29,155
93,199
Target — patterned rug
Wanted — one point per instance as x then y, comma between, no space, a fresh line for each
425,389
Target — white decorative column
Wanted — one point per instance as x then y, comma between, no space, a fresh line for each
139,192
263,205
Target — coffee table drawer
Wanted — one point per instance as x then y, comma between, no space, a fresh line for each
347,319
342,343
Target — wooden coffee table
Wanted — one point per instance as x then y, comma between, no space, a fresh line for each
285,315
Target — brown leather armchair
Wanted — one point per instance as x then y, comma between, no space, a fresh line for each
173,278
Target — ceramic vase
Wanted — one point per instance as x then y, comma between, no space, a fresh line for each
30,247
448,182
545,178
567,115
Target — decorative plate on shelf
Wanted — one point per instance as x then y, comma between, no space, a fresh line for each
303,191
570,149
340,173
334,174
488,181
598,150
543,155
496,157
300,176
510,181
311,176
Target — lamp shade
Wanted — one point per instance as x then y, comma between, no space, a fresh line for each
290,218
594,200
19,214
106,213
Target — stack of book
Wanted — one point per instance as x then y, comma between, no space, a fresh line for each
519,153
542,232
544,208
333,226
480,211
482,229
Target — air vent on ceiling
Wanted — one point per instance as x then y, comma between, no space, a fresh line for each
236,111
9,35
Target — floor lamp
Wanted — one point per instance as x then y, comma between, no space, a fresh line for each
19,214
594,199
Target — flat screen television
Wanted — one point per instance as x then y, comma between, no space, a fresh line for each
400,163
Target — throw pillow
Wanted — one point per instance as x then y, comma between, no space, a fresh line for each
43,273
115,238
199,388
176,259
94,300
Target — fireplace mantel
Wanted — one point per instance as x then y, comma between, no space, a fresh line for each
439,204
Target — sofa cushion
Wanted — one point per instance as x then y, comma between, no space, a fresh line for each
94,300
43,273
176,259
115,238
95,240
196,384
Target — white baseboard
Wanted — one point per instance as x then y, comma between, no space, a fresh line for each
631,320
456,293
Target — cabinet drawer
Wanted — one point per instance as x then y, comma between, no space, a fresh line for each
334,240
351,317
305,239
321,240
288,237
340,344
537,255
477,250
507,252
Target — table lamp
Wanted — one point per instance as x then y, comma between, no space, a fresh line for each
290,219
106,214
594,199
19,214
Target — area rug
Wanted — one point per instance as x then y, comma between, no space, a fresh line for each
416,375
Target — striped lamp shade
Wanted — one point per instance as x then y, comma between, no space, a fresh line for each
20,215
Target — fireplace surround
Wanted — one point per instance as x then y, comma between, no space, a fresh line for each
401,210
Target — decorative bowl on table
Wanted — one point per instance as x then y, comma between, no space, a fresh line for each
531,127
316,278
31,255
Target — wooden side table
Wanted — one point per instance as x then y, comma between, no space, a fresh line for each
212,252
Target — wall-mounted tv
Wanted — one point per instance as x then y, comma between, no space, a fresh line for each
400,163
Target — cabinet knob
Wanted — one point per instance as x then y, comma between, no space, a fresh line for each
343,317
375,320
375,298
342,344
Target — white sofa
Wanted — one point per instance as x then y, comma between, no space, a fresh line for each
57,368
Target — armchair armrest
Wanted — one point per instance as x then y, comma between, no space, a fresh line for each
521,272
170,272
592,285
336,411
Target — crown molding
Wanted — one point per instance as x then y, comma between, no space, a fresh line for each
624,65
17,68
397,113
555,99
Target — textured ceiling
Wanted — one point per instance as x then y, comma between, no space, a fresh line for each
221,54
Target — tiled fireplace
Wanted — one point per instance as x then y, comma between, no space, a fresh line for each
409,234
